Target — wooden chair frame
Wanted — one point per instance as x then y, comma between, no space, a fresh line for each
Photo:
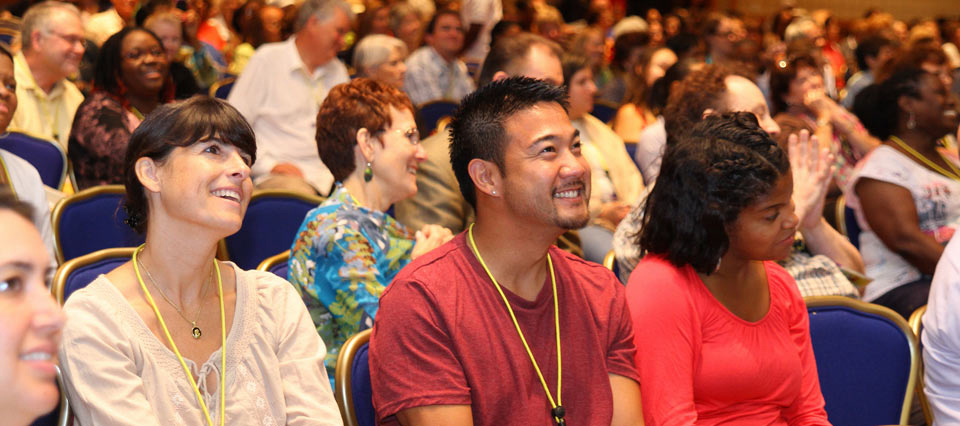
609,260
343,385
916,324
270,262
870,308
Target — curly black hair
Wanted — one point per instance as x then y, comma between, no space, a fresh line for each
876,106
710,175
477,129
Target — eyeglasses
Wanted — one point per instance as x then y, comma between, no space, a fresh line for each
70,39
412,135
136,54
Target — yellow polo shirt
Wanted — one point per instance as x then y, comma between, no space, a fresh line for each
41,114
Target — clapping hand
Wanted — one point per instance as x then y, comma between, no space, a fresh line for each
812,169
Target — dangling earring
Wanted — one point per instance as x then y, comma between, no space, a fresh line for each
911,122
717,268
368,173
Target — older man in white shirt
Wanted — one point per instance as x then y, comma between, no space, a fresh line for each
280,92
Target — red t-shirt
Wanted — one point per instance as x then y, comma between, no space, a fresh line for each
443,336
703,365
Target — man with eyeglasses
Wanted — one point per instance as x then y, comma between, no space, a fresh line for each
52,48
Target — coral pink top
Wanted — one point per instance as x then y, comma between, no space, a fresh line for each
700,364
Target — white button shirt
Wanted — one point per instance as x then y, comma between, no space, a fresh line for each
280,98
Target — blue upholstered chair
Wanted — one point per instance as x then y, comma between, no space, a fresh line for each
847,221
431,113
604,111
352,387
269,227
916,325
278,265
92,220
77,273
867,360
221,89
46,156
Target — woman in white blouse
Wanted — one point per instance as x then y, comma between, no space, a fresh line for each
175,337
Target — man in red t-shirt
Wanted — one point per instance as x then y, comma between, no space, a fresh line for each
498,326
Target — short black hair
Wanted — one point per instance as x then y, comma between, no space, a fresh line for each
869,48
174,125
432,24
707,178
477,128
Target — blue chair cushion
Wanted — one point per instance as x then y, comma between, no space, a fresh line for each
604,113
94,224
269,227
863,361
280,269
431,113
43,155
84,275
361,389
853,228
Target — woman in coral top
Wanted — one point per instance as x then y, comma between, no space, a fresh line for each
724,332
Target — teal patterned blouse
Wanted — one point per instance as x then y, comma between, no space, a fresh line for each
343,257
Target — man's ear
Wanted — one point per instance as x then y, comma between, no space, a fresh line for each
708,112
148,174
486,177
499,75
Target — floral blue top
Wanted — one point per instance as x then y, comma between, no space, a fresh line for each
343,257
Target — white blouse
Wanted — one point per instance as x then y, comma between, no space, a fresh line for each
117,372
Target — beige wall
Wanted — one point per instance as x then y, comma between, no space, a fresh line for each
903,9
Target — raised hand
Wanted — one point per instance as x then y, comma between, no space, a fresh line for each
812,168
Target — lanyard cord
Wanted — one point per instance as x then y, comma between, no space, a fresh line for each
954,174
223,339
557,412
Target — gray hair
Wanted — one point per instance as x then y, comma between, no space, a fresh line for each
38,17
322,9
374,50
798,29
398,12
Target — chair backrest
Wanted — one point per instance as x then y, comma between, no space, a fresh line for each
847,221
610,262
352,387
278,265
431,113
77,273
92,220
867,360
604,111
269,227
916,324
221,89
44,155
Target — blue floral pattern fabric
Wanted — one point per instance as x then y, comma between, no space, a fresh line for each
343,257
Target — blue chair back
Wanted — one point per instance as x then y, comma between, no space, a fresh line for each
853,228
281,270
221,89
92,220
867,361
77,273
430,114
269,227
352,386
46,156
604,111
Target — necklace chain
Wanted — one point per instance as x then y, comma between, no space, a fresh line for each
557,412
953,174
176,351
196,329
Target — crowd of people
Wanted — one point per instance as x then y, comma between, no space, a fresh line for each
705,150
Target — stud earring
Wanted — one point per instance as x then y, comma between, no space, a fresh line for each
493,192
368,173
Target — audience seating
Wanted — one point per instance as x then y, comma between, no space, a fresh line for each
916,324
46,156
77,273
60,416
277,264
269,226
610,262
847,221
605,111
221,89
352,387
431,113
91,220
867,360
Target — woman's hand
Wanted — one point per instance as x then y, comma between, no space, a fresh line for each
612,213
428,238
812,169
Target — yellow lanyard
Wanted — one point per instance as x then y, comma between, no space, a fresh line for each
557,412
953,174
223,341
